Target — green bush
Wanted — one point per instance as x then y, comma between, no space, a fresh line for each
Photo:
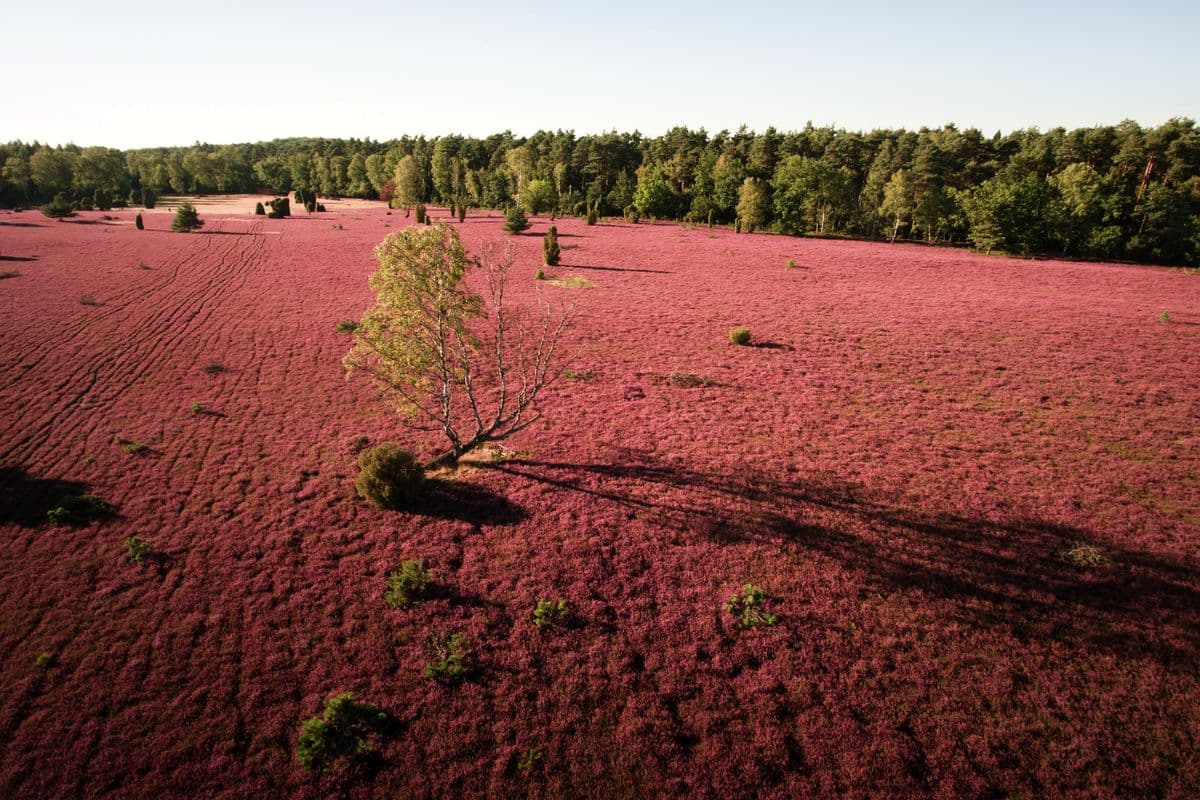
59,207
1165,316
552,613
515,220
421,213
791,264
740,336
320,207
78,510
408,584
551,252
186,219
390,476
259,210
540,275
138,550
347,326
748,607
280,207
346,731
592,214
451,660
137,222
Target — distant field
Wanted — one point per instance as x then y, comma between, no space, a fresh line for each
969,486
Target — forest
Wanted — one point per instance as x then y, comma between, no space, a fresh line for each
1115,192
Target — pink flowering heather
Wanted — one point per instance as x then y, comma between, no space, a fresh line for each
969,488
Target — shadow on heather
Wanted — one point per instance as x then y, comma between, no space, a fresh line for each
1011,575
24,499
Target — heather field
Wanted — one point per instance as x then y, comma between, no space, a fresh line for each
969,486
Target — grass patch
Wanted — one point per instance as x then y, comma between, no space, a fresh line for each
347,326
137,550
688,380
572,282
578,374
1086,556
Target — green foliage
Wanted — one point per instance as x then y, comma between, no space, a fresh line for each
749,608
347,326
552,613
78,510
137,222
102,199
1009,214
59,207
538,196
186,219
1165,316
540,275
689,380
390,477
754,205
631,215
422,215
592,215
791,264
654,197
551,252
346,732
810,194
528,760
280,207
740,336
451,662
137,550
259,211
44,660
408,584
515,220
197,408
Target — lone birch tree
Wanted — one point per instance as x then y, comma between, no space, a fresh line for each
466,365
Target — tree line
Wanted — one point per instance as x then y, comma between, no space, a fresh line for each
1107,192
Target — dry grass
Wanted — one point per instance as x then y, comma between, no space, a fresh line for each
1086,556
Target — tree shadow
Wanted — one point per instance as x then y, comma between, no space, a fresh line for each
620,269
772,346
24,499
1016,576
22,225
466,502
18,258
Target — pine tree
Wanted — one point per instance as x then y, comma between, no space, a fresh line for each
259,210
515,220
137,222
462,212
550,249
186,219
420,209
59,207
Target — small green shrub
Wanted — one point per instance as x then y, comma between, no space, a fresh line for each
320,207
390,476
280,207
130,446
578,374
688,380
421,213
540,275
1165,316
44,660
186,219
346,732
552,613
790,264
138,550
347,326
631,215
551,252
408,584
529,759
748,607
143,265
197,408
740,336
358,443
78,510
593,214
451,660
259,211
137,222
1086,556
59,207
515,220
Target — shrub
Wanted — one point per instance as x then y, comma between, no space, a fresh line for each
688,380
58,208
540,275
102,200
421,213
142,265
409,583
138,549
310,206
259,210
551,252
347,326
1086,556
320,207
578,374
1165,316
631,215
390,476
186,219
44,660
345,732
462,213
740,336
592,215
748,607
515,220
280,207
78,510
451,661
529,759
358,443
790,264
197,408
137,222
134,448
551,613
214,368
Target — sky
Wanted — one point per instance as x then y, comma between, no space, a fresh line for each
138,74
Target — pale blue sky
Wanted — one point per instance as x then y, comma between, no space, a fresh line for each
131,74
